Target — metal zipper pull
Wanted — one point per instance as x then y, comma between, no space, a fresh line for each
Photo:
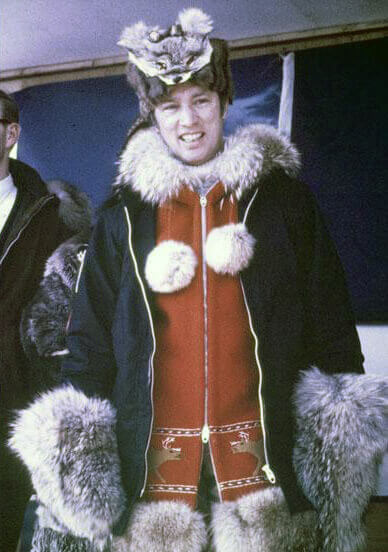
269,473
203,201
205,434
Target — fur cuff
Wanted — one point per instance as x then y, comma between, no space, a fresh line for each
342,434
164,526
68,443
170,266
47,540
229,249
261,522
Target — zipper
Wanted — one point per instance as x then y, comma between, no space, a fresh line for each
266,468
38,209
151,359
205,431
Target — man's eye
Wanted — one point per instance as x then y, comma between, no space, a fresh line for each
169,107
201,101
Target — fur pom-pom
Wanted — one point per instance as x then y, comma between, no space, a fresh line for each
163,526
261,521
170,266
68,443
195,21
229,249
132,36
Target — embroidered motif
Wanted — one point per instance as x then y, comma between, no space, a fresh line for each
242,482
234,427
188,489
157,457
251,447
177,432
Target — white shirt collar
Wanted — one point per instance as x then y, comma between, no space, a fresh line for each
6,187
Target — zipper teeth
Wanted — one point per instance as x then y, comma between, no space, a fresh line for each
203,201
205,310
25,226
151,359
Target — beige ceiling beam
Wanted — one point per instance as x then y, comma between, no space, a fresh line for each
17,79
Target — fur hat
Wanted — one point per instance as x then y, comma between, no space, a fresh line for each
158,58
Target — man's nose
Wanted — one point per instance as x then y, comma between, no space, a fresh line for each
188,116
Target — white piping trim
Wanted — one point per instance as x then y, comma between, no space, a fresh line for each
40,207
287,95
249,206
151,360
266,468
82,254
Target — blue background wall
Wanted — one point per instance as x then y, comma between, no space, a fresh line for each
75,131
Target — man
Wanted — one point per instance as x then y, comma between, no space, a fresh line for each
30,230
209,285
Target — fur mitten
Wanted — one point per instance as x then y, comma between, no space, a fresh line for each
68,443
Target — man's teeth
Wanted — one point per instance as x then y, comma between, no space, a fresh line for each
191,137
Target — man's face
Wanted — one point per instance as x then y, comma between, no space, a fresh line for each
190,122
9,134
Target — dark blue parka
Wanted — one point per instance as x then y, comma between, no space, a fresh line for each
295,290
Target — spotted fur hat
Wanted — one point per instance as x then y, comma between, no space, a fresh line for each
159,58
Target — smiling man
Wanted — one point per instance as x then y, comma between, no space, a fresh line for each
201,301
190,120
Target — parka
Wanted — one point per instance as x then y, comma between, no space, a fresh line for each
85,442
295,291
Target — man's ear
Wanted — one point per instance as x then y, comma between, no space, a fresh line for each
13,133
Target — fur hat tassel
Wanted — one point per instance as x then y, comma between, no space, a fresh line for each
229,249
170,266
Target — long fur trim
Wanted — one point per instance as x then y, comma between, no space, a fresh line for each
68,443
170,266
164,526
75,208
147,165
229,249
261,522
342,434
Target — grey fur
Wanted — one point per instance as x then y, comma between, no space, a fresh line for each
47,540
164,526
45,317
251,153
342,434
68,443
261,522
75,209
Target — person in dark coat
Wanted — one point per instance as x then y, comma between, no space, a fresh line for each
34,220
214,375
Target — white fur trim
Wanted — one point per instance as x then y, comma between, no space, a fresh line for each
170,266
164,526
260,521
194,20
147,165
68,443
229,249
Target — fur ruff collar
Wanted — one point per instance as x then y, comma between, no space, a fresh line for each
147,166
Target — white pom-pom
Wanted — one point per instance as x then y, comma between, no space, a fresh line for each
194,20
229,248
170,266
